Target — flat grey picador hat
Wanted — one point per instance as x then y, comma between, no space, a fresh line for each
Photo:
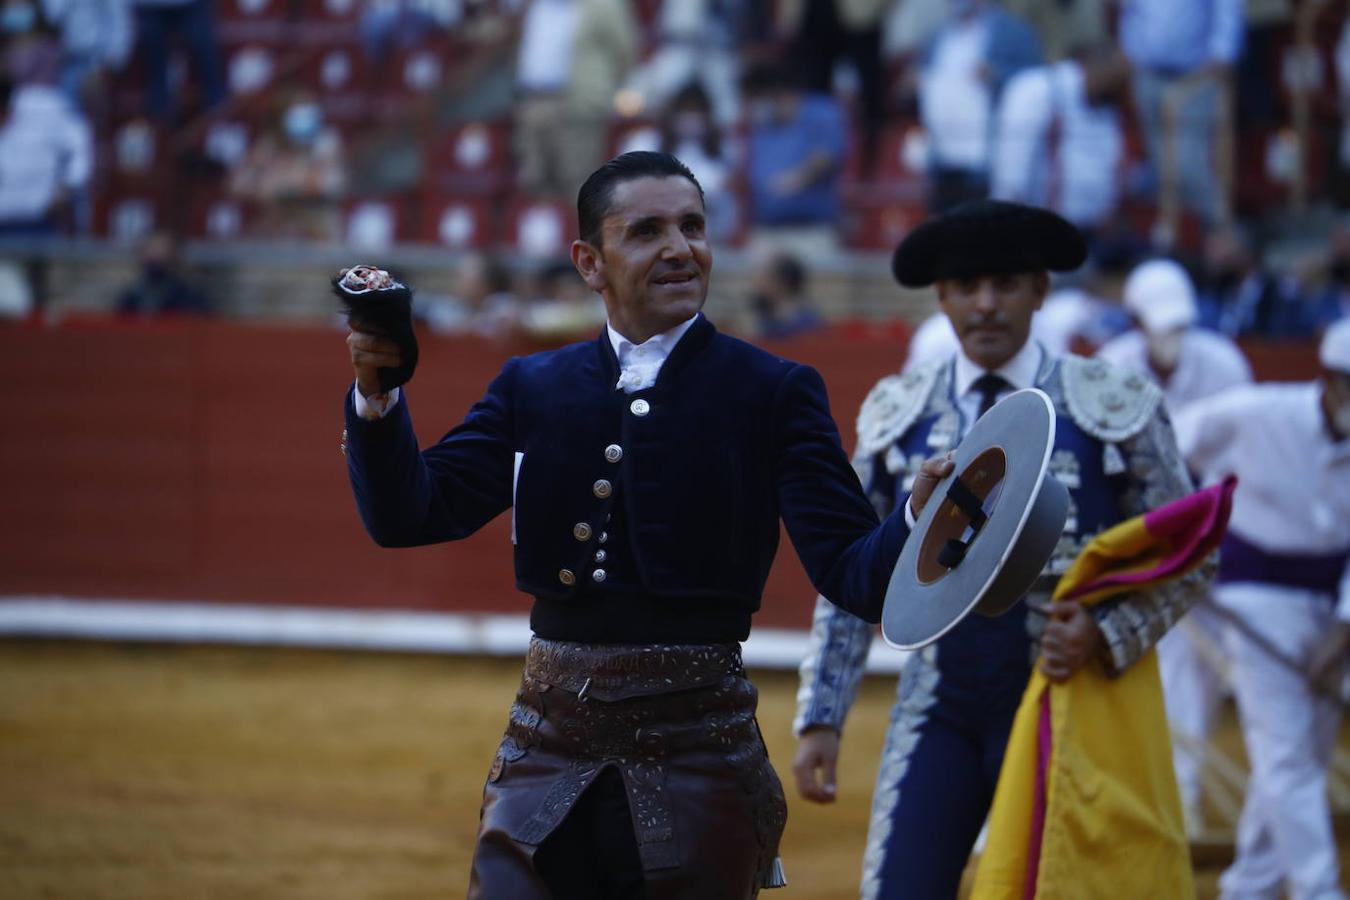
987,531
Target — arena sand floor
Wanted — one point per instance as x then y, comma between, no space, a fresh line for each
152,771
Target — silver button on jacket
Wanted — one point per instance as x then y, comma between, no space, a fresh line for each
613,453
599,575
640,407
602,488
581,531
567,577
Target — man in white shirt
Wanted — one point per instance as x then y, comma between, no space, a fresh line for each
46,154
1283,575
1189,364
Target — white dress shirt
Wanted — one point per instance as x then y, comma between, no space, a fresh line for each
639,364
46,147
1293,493
1209,364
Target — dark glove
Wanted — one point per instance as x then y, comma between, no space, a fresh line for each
377,304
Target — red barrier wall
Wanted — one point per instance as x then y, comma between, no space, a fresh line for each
199,461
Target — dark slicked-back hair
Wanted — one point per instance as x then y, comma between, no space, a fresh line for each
595,196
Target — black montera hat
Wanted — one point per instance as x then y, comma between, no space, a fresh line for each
987,237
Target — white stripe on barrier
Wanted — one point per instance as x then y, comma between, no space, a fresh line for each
363,629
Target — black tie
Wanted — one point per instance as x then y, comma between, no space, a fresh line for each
989,385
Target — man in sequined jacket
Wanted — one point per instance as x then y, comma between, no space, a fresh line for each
1116,454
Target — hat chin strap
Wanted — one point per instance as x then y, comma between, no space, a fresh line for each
954,551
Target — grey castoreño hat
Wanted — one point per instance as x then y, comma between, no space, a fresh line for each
988,237
988,530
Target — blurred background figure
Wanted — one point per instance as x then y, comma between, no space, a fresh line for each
1191,365
1064,26
1239,296
96,38
826,33
162,26
1059,140
295,175
701,41
46,158
1283,588
689,131
779,300
483,304
962,74
161,288
561,308
1182,56
574,55
797,145
1325,283
29,50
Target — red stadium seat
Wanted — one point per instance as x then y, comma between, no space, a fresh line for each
457,223
473,158
878,223
541,228
127,216
262,21
374,224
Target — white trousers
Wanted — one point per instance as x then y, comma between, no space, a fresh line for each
1193,687
1284,836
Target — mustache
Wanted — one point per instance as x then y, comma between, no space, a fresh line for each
994,321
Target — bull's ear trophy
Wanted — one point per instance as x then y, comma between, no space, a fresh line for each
377,304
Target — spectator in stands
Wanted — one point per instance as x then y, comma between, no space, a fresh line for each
779,300
46,156
1058,137
29,50
1327,286
484,303
824,32
296,175
190,21
1182,56
797,145
574,55
1064,26
700,41
161,289
96,36
562,308
689,132
962,73
1239,297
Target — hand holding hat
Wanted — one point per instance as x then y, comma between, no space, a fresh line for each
379,312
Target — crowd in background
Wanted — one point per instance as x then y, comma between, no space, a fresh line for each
1199,129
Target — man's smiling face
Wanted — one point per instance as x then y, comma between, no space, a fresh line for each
654,260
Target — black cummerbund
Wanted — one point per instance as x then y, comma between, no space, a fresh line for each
1243,561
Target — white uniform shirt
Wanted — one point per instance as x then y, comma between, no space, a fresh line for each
1209,364
954,100
1293,493
45,147
546,40
1076,175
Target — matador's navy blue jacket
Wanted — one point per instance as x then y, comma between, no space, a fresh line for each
649,517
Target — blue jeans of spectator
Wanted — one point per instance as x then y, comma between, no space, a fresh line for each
1196,121
193,24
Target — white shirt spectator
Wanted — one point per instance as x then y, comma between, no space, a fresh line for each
1293,493
546,40
1073,172
1209,364
955,100
45,149
98,29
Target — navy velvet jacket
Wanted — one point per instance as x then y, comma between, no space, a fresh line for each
639,518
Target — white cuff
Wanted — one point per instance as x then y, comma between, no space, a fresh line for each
910,519
376,406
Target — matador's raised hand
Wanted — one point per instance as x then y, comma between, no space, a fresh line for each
379,312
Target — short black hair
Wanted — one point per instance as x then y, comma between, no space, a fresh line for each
593,200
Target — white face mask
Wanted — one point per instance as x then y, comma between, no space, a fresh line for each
1165,349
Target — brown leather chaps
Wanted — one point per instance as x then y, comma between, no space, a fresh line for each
677,722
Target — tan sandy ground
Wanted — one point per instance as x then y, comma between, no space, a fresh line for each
146,772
